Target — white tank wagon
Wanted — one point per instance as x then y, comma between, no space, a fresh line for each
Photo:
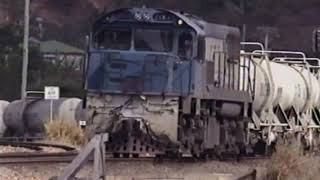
25,118
289,86
286,94
3,106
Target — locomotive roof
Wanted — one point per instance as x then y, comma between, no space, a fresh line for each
207,28
202,27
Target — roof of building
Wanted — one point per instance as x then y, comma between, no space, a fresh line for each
34,40
58,47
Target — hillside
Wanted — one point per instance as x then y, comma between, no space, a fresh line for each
292,21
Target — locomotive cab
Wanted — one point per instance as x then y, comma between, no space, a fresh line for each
142,44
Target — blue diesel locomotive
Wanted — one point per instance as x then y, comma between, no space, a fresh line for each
160,81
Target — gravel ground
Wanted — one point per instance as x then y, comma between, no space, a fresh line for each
128,169
134,169
8,149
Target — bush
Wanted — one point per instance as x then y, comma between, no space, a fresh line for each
288,163
65,132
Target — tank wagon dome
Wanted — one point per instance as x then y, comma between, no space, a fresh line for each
3,106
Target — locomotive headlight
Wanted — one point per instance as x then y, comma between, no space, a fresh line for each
146,16
180,22
108,98
144,98
138,16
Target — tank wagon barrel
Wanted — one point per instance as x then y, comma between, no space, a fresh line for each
26,117
3,106
293,85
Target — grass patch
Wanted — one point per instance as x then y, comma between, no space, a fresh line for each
65,132
288,163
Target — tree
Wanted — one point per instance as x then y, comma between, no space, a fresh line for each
15,9
40,73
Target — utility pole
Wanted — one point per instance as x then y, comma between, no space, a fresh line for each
25,50
266,41
268,33
244,26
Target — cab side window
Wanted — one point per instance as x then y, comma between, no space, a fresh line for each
185,46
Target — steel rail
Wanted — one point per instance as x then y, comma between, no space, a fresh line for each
68,156
252,175
36,157
34,145
24,139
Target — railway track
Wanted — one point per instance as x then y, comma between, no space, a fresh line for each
69,153
63,157
67,157
38,155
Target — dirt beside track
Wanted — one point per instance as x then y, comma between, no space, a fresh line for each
135,169
121,169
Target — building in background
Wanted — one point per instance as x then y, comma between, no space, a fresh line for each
61,54
4,15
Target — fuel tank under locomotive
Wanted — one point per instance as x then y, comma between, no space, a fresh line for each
26,118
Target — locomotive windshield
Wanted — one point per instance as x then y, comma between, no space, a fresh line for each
153,40
137,72
144,39
113,39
